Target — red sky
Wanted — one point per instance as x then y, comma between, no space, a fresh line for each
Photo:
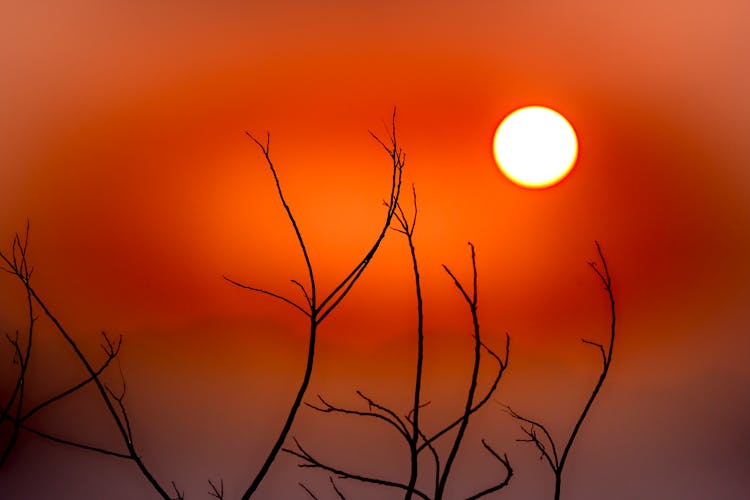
122,141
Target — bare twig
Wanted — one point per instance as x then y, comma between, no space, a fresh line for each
388,418
471,301
307,490
310,461
271,294
215,491
180,495
74,444
601,270
336,489
17,265
502,366
508,473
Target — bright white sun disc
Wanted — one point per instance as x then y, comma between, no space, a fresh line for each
535,147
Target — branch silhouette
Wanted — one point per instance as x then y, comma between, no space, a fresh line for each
309,461
316,310
532,429
216,491
16,263
409,427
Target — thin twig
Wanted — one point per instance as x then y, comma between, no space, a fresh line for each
312,495
508,473
601,270
310,461
329,408
266,292
472,303
215,491
336,489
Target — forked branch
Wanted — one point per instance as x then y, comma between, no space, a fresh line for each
16,264
310,461
508,473
544,443
316,310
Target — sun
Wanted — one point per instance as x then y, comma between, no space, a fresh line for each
535,147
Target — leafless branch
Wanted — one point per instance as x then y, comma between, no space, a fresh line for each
408,229
266,152
382,408
17,265
601,269
502,366
217,492
310,461
271,294
329,408
74,444
304,292
112,350
336,489
508,473
598,346
471,301
551,458
318,311
180,494
312,495
433,452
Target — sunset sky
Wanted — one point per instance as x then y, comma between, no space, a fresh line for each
122,141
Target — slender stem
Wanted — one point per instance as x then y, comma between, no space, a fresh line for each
310,461
472,302
68,391
105,398
24,362
503,365
556,465
292,413
606,280
413,445
292,220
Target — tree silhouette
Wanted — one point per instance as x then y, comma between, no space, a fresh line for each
317,309
408,426
426,464
16,263
544,442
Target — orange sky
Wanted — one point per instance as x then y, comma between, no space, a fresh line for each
122,140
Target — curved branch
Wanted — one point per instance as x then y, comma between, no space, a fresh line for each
266,153
78,386
606,280
329,408
508,473
398,159
310,461
472,303
601,270
533,438
271,294
74,444
503,365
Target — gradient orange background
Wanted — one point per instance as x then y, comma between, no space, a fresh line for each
122,141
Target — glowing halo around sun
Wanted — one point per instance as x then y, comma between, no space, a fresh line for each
535,147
